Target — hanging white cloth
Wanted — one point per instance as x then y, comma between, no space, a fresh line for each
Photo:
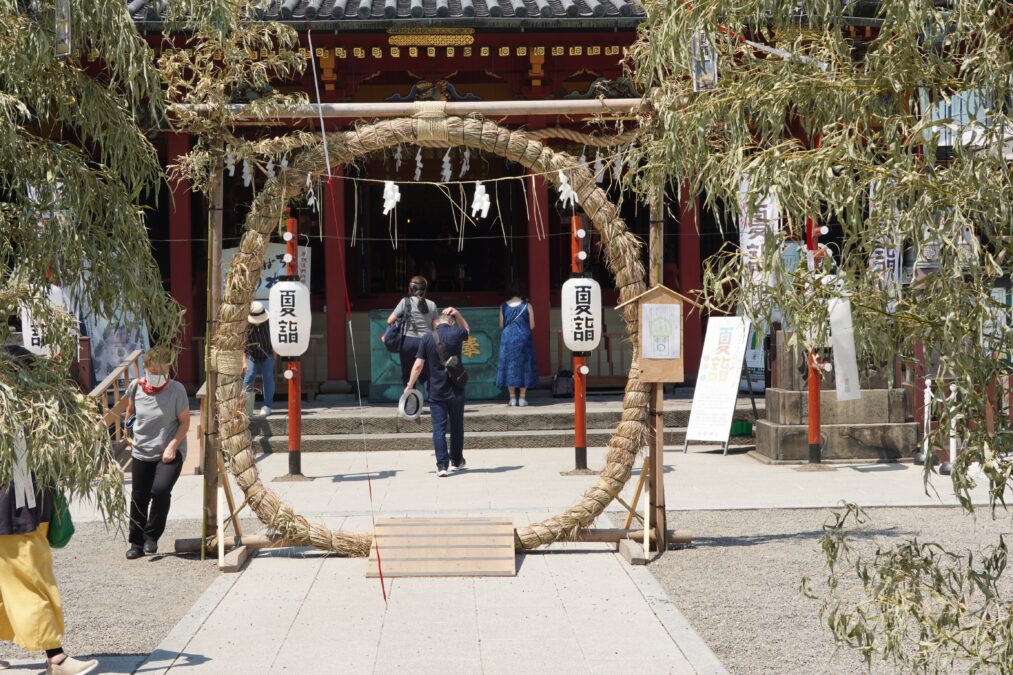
24,488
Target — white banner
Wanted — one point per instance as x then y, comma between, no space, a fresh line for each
842,338
717,385
274,267
753,227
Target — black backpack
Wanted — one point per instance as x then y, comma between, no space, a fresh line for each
455,369
393,336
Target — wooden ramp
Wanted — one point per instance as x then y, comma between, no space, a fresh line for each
444,547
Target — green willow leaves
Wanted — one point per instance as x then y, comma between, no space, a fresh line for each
890,123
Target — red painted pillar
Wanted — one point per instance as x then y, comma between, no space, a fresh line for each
690,274
335,277
538,266
181,255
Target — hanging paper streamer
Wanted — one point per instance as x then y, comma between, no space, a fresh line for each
465,162
284,163
583,157
397,158
247,174
480,203
418,164
230,163
599,167
567,197
391,196
270,168
311,201
618,166
447,172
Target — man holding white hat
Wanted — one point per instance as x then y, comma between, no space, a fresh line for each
259,354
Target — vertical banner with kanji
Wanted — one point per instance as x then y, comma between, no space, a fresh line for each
717,384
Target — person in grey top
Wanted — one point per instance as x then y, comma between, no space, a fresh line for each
419,312
161,413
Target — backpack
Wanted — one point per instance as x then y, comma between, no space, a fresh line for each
393,336
455,369
562,384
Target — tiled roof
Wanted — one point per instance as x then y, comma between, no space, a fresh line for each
392,10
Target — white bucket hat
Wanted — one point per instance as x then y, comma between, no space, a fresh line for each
410,405
258,314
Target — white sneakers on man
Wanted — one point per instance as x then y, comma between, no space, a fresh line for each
265,411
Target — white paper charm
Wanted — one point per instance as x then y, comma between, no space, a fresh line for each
465,162
567,197
311,200
230,163
480,203
418,164
397,158
447,173
599,167
247,174
391,196
270,168
284,163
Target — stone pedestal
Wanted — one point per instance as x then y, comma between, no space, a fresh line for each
871,428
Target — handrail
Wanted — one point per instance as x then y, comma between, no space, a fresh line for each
117,374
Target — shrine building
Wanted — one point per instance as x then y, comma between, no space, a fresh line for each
452,50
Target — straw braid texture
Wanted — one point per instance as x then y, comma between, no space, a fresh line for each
623,255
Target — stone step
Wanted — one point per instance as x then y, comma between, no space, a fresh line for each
331,423
473,440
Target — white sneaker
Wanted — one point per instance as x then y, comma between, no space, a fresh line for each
522,402
265,411
458,467
71,666
441,473
512,402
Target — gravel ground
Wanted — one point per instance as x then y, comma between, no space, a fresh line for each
739,584
113,605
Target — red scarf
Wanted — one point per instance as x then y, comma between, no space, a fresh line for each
148,389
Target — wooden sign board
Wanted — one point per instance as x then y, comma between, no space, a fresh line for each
662,313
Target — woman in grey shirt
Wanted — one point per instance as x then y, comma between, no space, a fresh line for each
419,314
161,413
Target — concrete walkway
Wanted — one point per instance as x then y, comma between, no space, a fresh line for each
573,608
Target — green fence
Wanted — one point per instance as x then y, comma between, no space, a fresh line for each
481,357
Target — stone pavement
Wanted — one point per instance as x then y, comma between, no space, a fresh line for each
574,608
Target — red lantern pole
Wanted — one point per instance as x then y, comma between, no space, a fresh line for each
815,440
293,366
577,236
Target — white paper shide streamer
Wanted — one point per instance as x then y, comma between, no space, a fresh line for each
567,196
391,196
311,200
418,164
448,171
480,203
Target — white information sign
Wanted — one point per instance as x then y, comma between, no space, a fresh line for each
274,267
662,332
717,385
842,338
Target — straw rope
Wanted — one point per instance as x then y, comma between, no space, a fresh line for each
623,256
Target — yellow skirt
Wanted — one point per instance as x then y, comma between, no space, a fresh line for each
30,610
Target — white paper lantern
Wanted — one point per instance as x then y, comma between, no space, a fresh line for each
290,319
581,309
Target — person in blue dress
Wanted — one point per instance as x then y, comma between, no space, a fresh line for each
518,370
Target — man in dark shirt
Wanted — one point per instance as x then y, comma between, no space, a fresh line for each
446,401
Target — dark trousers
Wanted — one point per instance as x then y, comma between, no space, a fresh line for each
409,352
151,486
448,412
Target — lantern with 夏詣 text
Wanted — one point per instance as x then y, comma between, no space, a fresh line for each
31,328
290,317
581,311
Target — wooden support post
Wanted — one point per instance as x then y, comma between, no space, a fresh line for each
645,471
211,442
656,452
